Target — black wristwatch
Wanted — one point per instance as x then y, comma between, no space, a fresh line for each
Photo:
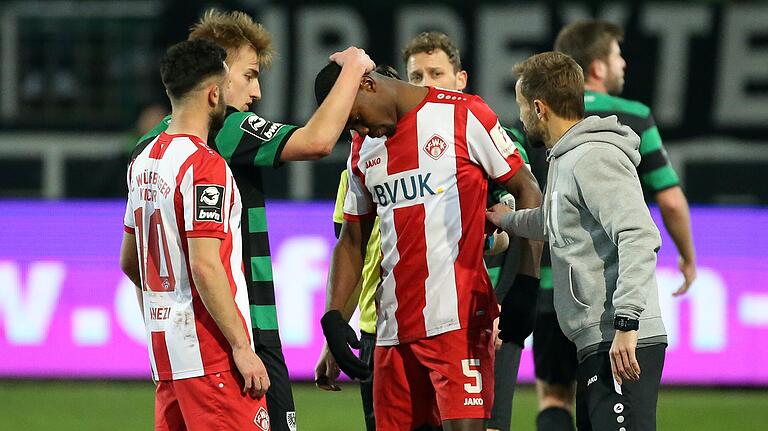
625,323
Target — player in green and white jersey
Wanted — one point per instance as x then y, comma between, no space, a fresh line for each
250,143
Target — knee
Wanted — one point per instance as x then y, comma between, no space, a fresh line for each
555,395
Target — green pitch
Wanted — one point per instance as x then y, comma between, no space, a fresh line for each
125,406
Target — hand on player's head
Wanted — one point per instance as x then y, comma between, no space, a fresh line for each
353,55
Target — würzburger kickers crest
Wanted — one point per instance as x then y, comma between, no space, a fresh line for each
435,147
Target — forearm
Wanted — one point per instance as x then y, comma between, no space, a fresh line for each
352,303
526,223
528,196
140,299
677,219
213,286
344,277
323,129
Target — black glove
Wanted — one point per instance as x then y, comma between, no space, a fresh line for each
518,310
340,337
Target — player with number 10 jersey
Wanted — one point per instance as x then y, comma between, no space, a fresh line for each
178,189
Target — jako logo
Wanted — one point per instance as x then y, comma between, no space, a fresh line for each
473,401
404,188
591,380
373,162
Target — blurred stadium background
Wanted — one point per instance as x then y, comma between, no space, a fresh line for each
79,83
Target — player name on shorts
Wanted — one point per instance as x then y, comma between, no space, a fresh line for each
159,313
403,188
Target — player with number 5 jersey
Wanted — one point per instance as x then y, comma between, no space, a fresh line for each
427,182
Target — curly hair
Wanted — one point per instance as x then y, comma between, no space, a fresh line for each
187,64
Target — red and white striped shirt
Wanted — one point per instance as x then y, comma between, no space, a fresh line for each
428,185
179,189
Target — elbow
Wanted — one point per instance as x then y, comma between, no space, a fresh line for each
127,266
324,149
672,202
532,196
200,270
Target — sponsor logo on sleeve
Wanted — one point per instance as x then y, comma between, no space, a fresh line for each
259,127
502,142
209,200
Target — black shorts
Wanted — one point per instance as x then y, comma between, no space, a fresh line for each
367,345
603,405
282,413
554,355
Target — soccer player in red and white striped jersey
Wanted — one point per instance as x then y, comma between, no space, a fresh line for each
427,182
182,248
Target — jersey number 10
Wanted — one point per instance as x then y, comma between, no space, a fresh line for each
156,270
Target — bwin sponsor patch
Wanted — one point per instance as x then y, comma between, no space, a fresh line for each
259,127
209,200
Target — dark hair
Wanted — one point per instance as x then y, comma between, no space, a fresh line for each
589,40
429,42
328,75
324,81
388,71
188,63
556,79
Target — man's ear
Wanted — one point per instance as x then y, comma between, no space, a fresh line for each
367,83
540,108
598,70
461,80
214,93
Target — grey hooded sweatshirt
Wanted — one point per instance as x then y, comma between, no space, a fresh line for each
601,236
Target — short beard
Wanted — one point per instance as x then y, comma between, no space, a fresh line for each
613,85
216,120
536,136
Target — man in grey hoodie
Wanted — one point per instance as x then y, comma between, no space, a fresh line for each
603,244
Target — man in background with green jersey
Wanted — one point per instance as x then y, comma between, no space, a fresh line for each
250,143
594,44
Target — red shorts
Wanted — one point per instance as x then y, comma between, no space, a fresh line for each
425,382
211,402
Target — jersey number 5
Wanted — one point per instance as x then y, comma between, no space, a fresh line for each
156,270
475,374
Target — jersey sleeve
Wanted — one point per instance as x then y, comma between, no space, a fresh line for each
129,221
518,138
489,145
207,192
247,139
358,203
341,194
655,170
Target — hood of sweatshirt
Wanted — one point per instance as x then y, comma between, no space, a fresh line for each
597,129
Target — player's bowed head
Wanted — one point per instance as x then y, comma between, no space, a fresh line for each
381,100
